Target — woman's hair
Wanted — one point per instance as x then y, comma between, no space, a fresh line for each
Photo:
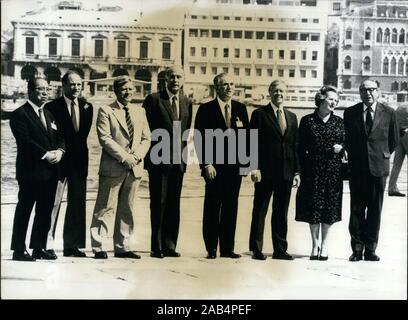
322,93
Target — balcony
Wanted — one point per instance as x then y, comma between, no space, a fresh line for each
348,42
367,43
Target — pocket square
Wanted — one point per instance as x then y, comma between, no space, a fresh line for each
54,126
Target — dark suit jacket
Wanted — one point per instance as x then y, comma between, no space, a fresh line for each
209,116
76,156
160,116
375,147
277,153
33,141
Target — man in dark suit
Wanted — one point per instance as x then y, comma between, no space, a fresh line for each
167,110
74,117
371,137
40,147
277,173
221,174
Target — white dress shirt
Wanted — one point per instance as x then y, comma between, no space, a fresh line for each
373,107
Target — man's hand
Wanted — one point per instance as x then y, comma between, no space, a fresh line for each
296,181
256,176
210,172
51,157
130,161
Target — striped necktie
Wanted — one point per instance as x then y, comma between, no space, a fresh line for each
129,124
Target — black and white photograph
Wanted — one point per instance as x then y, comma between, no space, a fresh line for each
208,150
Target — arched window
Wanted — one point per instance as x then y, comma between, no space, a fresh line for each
386,66
347,84
367,64
347,63
394,86
394,36
387,35
406,67
368,34
400,66
349,33
393,65
379,35
401,36
404,86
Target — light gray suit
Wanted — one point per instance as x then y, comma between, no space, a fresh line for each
114,207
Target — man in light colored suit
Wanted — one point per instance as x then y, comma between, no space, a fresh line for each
124,135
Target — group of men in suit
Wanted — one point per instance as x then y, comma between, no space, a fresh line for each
52,152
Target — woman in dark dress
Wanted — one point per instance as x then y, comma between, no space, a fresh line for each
321,147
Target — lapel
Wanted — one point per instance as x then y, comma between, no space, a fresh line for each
120,116
67,117
82,115
377,115
272,117
183,103
165,102
36,120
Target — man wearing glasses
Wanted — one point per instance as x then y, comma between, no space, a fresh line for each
371,137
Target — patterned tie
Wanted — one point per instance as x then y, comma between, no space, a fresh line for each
227,116
42,117
74,116
129,124
174,107
369,120
281,120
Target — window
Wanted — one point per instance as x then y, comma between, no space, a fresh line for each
248,19
260,35
269,72
215,33
247,72
225,70
226,18
215,52
226,53
75,47
237,34
394,86
248,34
204,33
347,63
401,36
336,6
386,66
304,20
121,48
203,51
29,45
214,70
226,34
258,72
236,71
303,73
394,35
347,84
259,53
379,35
367,64
98,48
315,20
193,17
304,37
237,18
292,54
400,66
349,33
270,35
282,36
315,37
270,19
236,53
192,70
291,73
387,35
247,53
367,34
193,33
293,35
303,54
280,73
404,86
393,65
215,17
192,51
52,47
270,54
143,49
281,54
314,74
203,70
314,55
166,52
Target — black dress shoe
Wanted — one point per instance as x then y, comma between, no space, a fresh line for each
43,254
371,256
127,254
212,254
74,252
231,255
101,255
51,251
157,254
258,255
395,194
22,256
171,253
356,256
315,257
323,258
282,256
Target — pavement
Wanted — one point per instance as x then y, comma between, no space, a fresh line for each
193,277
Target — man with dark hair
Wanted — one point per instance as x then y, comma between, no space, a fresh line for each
371,137
74,117
40,147
167,109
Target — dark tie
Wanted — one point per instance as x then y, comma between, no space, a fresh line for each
129,124
74,116
42,117
227,116
369,120
174,107
281,121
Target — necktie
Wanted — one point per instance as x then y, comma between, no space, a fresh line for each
369,120
281,120
174,107
42,117
227,116
129,124
74,116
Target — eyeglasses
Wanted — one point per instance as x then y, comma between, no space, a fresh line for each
368,89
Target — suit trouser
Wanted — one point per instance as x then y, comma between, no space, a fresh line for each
114,212
165,191
42,194
220,211
367,194
281,191
400,152
74,232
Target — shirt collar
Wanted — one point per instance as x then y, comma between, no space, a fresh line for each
171,95
275,108
222,103
121,105
35,107
373,106
68,101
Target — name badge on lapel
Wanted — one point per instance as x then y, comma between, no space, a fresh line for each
238,123
54,125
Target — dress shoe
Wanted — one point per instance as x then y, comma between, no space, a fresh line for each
258,255
371,256
22,256
43,254
356,256
323,258
51,251
315,257
396,193
127,254
171,253
231,255
282,256
74,252
101,255
157,254
212,254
